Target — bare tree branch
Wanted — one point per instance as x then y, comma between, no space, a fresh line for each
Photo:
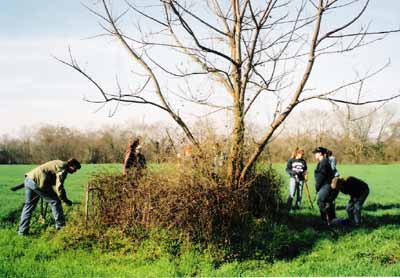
280,119
360,102
189,30
330,33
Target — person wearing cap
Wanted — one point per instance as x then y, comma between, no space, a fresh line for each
133,157
47,182
358,191
296,167
323,175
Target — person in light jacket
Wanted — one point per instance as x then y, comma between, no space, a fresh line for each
47,182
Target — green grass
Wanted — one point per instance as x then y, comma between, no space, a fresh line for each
296,246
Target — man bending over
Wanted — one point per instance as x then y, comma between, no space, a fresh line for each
47,181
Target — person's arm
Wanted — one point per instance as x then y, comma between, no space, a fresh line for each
318,176
289,168
322,174
59,187
126,165
329,172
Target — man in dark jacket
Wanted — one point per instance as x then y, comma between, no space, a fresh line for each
358,191
323,175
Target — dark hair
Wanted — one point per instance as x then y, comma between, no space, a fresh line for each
329,152
134,143
321,150
74,163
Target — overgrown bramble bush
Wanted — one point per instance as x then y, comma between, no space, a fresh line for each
191,198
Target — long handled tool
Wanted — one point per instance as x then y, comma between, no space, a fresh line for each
43,206
43,211
308,194
17,187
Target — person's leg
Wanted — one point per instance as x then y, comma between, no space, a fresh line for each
350,210
299,191
358,205
322,201
56,207
332,195
31,200
292,191
50,197
331,210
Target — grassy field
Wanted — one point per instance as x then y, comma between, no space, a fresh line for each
295,247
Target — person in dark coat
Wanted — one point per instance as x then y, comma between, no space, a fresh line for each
326,195
133,157
358,191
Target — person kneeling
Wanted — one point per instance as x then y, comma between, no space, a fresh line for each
358,191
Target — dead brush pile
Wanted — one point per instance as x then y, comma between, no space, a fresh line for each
190,197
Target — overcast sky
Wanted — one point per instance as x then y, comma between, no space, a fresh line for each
36,89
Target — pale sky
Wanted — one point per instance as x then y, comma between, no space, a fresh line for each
36,89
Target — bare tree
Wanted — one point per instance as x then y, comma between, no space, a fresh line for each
243,49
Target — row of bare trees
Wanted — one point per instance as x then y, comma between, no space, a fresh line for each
364,136
354,135
105,145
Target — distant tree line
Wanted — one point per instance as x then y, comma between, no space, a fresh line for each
374,138
354,136
105,145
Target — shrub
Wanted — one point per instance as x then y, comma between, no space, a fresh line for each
191,198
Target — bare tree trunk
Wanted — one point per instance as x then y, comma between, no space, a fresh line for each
237,147
237,143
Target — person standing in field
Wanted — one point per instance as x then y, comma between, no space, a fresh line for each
332,162
141,160
133,157
47,182
358,191
296,167
326,195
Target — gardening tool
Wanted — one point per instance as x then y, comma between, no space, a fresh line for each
17,187
43,205
308,193
43,211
